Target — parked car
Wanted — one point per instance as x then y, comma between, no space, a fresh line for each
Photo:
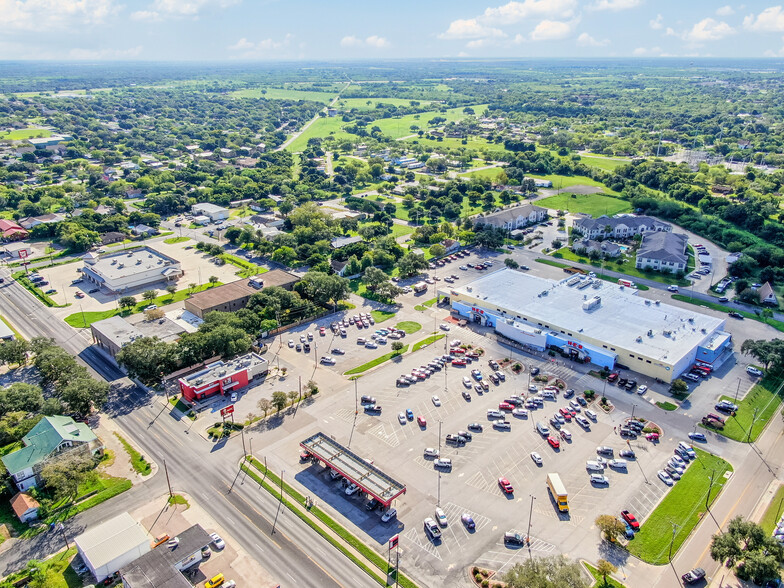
693,576
431,528
388,515
600,479
631,519
468,521
536,457
506,486
752,371
512,538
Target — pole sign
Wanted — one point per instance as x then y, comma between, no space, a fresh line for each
227,410
393,541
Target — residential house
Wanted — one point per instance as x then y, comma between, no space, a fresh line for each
619,227
339,267
603,248
539,183
744,144
450,245
664,252
45,219
25,507
343,241
767,295
513,218
52,437
11,231
144,230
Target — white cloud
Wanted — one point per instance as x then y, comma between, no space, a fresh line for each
476,44
48,15
103,54
615,5
377,42
514,12
371,41
586,40
469,28
519,39
645,52
549,30
769,20
161,9
260,49
657,22
725,10
708,29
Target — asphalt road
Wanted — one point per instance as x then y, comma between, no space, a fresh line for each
206,471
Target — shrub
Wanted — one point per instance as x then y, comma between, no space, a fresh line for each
485,583
478,577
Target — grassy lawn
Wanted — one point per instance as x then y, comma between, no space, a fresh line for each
409,327
10,326
490,173
602,162
284,94
400,230
174,240
667,405
81,320
362,103
683,505
426,304
599,581
247,269
22,134
106,487
373,363
381,315
594,204
427,341
139,464
599,275
627,266
765,397
773,512
778,325
178,499
57,570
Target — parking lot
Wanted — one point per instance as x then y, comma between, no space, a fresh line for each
471,485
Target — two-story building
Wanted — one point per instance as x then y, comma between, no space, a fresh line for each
514,218
665,252
223,377
619,227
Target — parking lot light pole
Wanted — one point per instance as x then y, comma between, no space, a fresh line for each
674,529
438,496
528,534
707,497
633,407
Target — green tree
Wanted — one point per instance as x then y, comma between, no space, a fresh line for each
679,386
509,262
171,289
127,302
610,526
311,388
279,400
437,250
149,295
554,571
82,394
605,568
147,358
14,351
353,266
284,255
397,346
264,405
21,396
725,549
293,395
411,264
373,277
62,476
769,353
323,289
213,280
57,365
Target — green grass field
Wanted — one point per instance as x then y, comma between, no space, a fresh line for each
593,204
602,162
563,182
22,134
82,320
599,581
490,173
377,361
323,127
362,103
427,341
173,240
683,505
773,512
284,94
381,315
409,327
765,397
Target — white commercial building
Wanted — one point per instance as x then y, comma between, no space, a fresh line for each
591,320
213,211
113,544
132,269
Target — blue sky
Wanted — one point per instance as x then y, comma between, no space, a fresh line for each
261,30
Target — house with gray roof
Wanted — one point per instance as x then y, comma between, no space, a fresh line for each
52,437
664,252
767,295
619,227
513,218
603,248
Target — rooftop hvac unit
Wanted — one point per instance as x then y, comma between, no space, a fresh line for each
691,319
648,302
120,265
657,302
650,333
138,262
149,255
704,331
639,339
222,373
592,303
199,381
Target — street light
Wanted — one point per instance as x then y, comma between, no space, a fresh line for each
530,512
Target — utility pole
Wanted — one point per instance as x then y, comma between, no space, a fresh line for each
438,499
244,452
707,498
751,427
530,513
168,482
737,390
674,529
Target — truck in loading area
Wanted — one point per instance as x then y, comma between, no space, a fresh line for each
558,490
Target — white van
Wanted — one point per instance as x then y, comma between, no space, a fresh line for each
548,394
617,463
542,428
593,466
590,414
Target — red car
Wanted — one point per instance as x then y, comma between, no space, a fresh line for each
458,361
421,421
631,519
612,377
565,414
505,406
506,485
652,436
322,332
457,350
554,443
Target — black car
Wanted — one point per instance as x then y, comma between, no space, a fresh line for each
534,370
569,393
514,538
582,401
93,291
622,382
736,315
475,427
372,504
524,267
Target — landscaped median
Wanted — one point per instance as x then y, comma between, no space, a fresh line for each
374,362
778,325
359,553
764,398
683,506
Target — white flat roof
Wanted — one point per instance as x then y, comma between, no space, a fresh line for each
619,319
109,540
127,263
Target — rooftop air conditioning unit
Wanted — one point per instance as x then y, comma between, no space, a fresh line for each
657,302
650,333
639,339
648,302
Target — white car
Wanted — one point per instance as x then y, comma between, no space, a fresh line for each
566,434
402,418
462,267
217,541
388,515
327,360
536,457
436,401
599,479
466,381
371,345
431,452
520,412
674,474
752,371
642,389
443,462
665,477
291,342
444,327
441,517
533,388
352,489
